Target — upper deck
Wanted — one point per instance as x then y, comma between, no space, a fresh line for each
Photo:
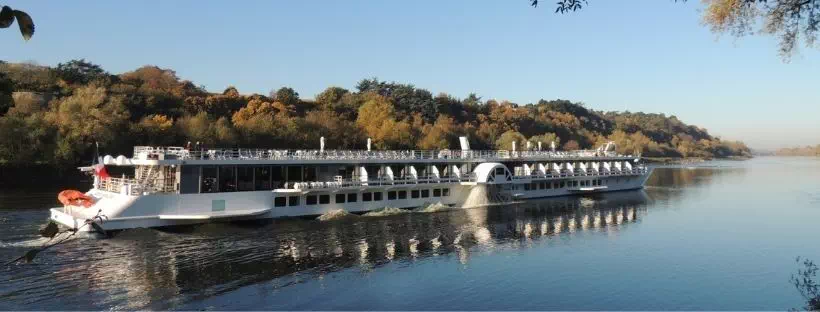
148,155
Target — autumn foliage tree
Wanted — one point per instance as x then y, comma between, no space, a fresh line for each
57,114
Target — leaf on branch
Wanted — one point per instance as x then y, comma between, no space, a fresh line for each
25,23
6,17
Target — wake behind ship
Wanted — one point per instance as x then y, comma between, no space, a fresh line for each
178,185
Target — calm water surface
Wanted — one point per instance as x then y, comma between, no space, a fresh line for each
721,235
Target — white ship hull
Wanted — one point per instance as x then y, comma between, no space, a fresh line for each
117,211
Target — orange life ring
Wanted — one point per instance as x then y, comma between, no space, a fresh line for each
75,198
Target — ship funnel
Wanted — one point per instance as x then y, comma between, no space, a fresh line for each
368,144
465,145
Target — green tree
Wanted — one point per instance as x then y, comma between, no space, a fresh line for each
331,96
26,138
89,115
376,119
546,139
157,130
30,77
6,88
505,141
80,72
287,96
440,135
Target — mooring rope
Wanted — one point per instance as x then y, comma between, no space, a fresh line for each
51,230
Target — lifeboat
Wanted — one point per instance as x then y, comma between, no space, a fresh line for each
75,198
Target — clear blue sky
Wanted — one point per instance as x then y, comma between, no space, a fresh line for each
640,55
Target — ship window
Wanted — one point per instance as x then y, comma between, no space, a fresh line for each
262,178
227,179
562,184
549,185
527,187
542,185
244,177
340,198
310,200
499,171
324,199
402,194
277,176
352,197
425,193
534,185
391,195
445,192
208,180
293,201
436,192
280,201
414,193
294,173
367,197
309,173
377,196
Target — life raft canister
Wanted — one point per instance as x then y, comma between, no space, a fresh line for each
75,198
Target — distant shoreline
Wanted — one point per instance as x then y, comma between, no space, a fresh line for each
690,160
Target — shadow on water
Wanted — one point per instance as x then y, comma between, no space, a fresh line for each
147,268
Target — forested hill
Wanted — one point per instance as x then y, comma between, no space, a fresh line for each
54,115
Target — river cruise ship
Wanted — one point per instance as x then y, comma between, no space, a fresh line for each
177,185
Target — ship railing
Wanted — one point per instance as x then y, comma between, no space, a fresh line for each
149,152
624,172
356,183
129,186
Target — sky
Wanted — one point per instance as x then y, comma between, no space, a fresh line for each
637,55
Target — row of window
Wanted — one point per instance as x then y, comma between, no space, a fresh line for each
354,197
544,185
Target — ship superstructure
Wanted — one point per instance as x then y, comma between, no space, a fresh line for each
177,185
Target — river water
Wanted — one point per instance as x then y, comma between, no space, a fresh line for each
718,235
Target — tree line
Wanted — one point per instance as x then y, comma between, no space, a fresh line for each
799,151
54,116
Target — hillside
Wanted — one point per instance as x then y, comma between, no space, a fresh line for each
53,115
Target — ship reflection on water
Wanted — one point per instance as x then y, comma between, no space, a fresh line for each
155,269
